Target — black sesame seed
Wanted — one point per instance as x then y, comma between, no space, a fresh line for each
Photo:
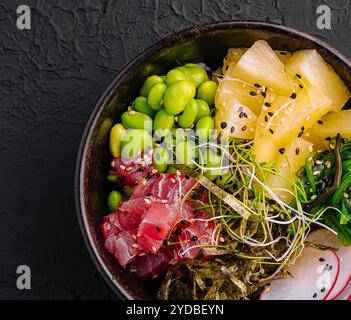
283,53
149,194
271,131
232,129
327,139
298,75
253,93
158,229
257,85
300,134
183,222
270,114
241,115
267,104
301,86
223,125
302,128
264,94
194,238
265,118
321,259
323,289
243,128
271,202
320,122
282,150
213,114
245,115
293,96
315,295
297,151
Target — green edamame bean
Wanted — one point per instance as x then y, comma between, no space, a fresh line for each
213,161
196,73
155,96
204,127
160,159
116,134
171,169
128,191
178,95
113,200
112,178
134,142
163,123
203,109
173,76
186,153
136,120
188,116
141,105
207,91
148,84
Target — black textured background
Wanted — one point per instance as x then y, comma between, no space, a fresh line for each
50,79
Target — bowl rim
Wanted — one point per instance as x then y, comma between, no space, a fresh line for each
107,95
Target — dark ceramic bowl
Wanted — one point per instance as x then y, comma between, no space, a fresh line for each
208,44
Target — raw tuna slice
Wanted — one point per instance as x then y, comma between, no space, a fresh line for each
151,266
123,247
156,226
199,233
111,225
326,238
131,171
314,276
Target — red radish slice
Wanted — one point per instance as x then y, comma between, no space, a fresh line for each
314,276
345,294
327,238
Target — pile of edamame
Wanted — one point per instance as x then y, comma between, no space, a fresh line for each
168,106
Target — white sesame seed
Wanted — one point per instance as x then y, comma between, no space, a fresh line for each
346,195
154,249
154,171
147,201
164,201
122,167
135,246
316,173
132,112
134,237
310,148
319,162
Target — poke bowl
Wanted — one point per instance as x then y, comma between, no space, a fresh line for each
238,185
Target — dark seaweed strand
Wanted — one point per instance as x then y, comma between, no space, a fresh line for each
337,178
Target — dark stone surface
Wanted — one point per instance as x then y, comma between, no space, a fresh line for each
50,79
